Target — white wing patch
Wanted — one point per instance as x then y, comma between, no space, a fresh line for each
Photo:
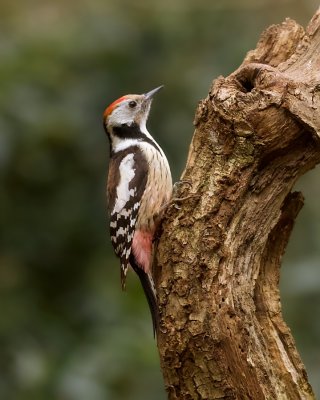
126,175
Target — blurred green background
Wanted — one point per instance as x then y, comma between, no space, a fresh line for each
67,332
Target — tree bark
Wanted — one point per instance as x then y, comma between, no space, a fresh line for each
222,335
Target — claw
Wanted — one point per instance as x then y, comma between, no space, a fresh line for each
178,183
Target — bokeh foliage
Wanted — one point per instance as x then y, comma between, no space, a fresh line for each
66,330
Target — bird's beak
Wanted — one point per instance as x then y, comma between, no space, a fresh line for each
152,92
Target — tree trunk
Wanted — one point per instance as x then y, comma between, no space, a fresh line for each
222,335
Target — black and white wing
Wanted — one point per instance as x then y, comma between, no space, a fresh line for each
127,178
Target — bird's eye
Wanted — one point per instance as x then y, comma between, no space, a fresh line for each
132,104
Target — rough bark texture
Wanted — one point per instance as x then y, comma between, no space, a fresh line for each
222,334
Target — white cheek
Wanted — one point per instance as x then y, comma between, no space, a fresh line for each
121,115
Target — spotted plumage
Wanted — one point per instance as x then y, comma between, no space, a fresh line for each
127,177
139,186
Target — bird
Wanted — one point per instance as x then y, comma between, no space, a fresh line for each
139,186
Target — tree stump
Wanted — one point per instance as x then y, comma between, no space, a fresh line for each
222,335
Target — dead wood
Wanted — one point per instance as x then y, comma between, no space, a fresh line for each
222,334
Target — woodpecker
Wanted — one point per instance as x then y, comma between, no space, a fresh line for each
138,188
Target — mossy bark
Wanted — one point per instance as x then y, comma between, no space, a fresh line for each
218,259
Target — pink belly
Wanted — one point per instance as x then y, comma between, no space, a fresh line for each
142,249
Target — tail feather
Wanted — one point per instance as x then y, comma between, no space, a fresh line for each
150,292
123,273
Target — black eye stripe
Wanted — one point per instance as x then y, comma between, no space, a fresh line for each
132,104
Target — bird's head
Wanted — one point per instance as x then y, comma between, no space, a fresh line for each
128,110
